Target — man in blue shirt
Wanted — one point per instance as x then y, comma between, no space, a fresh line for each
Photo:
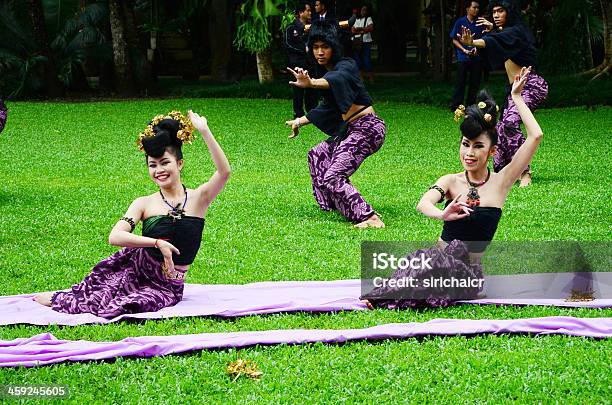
468,60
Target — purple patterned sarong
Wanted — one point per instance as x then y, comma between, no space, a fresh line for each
332,163
127,282
3,114
452,262
510,136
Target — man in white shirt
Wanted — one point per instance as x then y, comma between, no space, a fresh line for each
362,42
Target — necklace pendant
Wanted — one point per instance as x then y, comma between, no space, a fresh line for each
175,214
473,199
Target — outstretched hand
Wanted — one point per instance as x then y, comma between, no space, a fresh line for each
520,80
295,130
456,210
302,78
483,21
466,37
199,122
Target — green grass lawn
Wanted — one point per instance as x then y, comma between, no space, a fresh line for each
70,171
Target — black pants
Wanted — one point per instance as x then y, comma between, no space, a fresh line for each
303,98
474,70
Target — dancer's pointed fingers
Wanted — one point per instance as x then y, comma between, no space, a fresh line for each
292,71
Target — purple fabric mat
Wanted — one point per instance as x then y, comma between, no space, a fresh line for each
239,300
45,349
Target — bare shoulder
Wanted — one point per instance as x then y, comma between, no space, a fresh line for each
449,180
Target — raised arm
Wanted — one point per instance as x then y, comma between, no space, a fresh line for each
209,190
455,210
523,156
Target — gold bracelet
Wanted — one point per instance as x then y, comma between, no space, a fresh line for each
155,245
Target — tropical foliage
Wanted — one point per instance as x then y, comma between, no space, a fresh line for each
76,33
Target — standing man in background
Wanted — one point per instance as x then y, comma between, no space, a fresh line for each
297,56
322,10
468,60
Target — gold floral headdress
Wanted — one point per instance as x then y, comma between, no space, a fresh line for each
459,112
185,132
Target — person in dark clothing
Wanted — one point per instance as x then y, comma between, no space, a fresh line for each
468,59
297,56
510,44
322,11
347,116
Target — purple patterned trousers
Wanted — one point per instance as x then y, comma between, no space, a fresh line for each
127,282
510,136
331,164
453,261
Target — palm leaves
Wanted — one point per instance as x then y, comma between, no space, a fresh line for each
253,34
75,35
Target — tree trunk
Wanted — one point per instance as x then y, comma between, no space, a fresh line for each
123,69
220,40
264,66
143,78
53,86
391,31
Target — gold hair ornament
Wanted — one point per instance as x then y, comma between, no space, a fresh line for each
482,105
488,117
459,112
185,132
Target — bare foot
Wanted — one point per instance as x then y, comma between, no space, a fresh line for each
368,304
373,222
44,298
525,179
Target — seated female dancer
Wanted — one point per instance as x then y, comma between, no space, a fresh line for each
509,43
474,201
347,116
148,274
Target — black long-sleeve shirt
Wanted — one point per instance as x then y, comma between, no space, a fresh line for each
295,44
515,43
345,89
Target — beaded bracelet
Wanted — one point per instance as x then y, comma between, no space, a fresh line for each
440,190
129,221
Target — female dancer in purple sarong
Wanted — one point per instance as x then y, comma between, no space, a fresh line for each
474,201
509,43
148,274
347,116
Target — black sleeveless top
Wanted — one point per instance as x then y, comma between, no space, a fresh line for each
477,230
185,234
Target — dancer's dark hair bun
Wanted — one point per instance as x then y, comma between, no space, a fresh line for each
327,32
481,117
165,136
